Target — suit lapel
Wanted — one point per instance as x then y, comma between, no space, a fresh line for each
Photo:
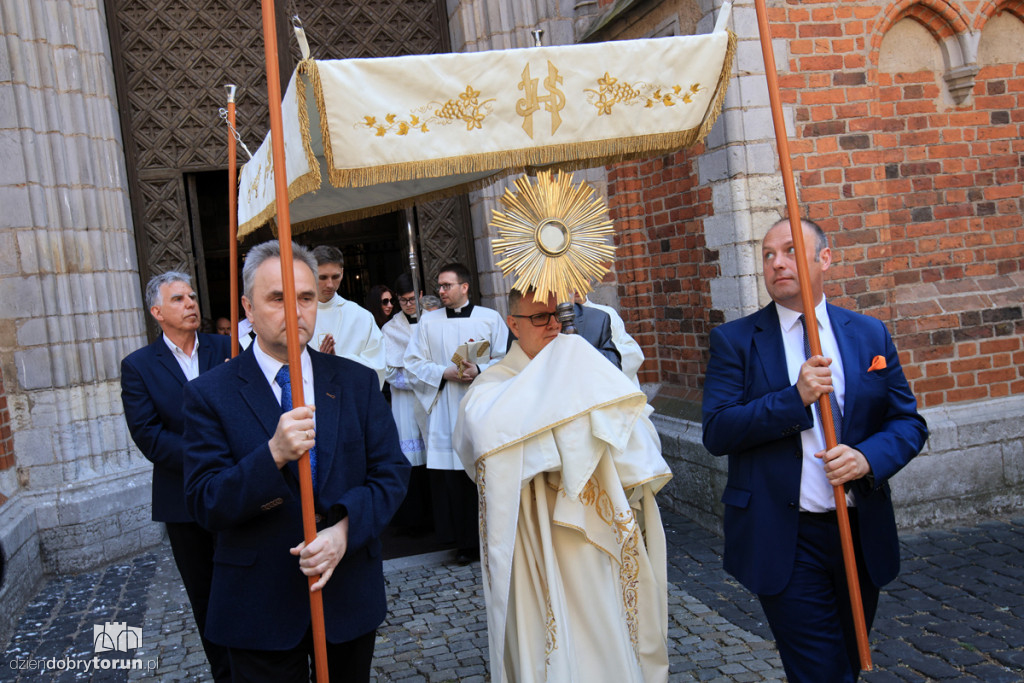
327,393
257,394
770,350
166,359
206,359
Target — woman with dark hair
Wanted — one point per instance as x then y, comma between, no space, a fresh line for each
381,302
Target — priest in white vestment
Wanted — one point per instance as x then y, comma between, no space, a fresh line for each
343,327
566,463
439,387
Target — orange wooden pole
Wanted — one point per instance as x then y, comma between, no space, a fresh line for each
233,217
793,210
284,235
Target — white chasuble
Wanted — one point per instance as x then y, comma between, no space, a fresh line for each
429,353
355,333
567,463
410,418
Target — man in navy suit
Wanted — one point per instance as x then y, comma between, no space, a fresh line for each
595,326
152,390
242,441
781,534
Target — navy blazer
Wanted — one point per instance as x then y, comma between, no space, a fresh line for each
754,415
595,326
152,392
259,598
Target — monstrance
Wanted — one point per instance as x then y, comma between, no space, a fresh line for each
553,237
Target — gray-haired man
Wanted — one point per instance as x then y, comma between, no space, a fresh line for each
152,390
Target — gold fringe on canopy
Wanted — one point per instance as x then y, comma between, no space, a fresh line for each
457,138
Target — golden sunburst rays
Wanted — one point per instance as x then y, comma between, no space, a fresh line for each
553,236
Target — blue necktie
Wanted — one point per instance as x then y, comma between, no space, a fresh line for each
284,380
837,417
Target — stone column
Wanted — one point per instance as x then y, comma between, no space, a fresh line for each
70,309
741,166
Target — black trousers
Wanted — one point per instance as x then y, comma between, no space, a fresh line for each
811,619
453,495
346,662
192,546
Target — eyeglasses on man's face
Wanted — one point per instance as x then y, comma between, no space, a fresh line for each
406,300
445,286
539,319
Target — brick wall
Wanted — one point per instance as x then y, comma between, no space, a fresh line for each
922,197
662,265
6,438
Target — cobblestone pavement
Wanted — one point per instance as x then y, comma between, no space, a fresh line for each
955,613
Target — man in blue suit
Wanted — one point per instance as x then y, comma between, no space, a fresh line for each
781,534
595,326
152,390
242,439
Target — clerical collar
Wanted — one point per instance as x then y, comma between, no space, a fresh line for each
410,318
459,312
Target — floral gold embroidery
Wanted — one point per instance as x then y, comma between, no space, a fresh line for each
467,107
629,577
550,631
627,535
610,91
481,487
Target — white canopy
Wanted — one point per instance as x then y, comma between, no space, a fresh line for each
365,136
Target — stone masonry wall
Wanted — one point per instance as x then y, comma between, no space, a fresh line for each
74,492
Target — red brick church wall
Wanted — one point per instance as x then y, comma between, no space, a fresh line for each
923,202
6,438
662,267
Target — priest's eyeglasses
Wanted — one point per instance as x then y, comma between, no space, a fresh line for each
407,299
539,319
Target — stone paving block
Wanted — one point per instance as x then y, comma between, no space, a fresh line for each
991,673
717,628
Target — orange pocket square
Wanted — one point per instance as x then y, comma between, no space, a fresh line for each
877,363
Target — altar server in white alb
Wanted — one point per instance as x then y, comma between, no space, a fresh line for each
414,514
343,327
409,417
440,385
566,463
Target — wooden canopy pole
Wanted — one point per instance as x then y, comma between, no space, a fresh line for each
793,211
233,217
284,235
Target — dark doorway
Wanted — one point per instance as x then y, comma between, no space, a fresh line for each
207,201
375,248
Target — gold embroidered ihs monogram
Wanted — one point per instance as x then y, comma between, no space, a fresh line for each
553,102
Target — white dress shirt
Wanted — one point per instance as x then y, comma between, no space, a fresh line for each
815,491
189,364
270,366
